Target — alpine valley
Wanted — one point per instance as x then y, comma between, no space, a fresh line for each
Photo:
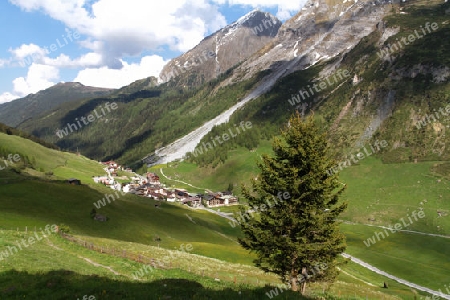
374,77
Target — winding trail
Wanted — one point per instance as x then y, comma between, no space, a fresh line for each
99,265
378,271
195,187
399,280
402,230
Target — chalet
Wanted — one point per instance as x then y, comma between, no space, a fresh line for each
212,199
153,178
111,164
171,197
229,199
192,201
219,199
101,179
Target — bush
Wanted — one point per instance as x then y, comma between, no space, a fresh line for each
64,228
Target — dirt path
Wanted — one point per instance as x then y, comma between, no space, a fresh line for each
195,187
86,259
354,277
402,281
399,280
409,231
99,265
53,246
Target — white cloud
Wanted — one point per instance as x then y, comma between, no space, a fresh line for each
87,60
116,78
7,97
27,50
115,29
39,77
27,54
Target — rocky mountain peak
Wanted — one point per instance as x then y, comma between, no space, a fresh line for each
222,50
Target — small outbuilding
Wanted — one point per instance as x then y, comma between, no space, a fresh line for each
74,181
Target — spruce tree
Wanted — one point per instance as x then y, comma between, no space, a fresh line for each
295,233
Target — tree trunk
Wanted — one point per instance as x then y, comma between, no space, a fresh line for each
303,287
303,282
294,286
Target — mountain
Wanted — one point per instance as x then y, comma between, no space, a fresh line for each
322,30
336,60
372,73
15,112
222,50
354,108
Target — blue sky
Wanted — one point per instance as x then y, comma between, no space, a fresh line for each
107,43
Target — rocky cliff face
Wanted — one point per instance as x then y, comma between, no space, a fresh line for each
222,50
323,29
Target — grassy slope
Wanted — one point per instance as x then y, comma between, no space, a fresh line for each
57,269
241,165
134,221
63,164
132,218
386,192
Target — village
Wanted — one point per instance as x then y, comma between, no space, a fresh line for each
151,186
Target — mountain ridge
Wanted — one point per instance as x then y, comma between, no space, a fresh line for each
17,111
222,50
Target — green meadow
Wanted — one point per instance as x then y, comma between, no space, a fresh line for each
58,269
381,194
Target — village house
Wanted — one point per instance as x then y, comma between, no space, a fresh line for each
229,200
171,197
153,178
219,199
193,201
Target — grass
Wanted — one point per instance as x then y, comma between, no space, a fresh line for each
135,223
131,218
55,268
64,165
381,195
388,192
239,168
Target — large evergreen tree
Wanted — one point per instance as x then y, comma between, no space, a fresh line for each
296,234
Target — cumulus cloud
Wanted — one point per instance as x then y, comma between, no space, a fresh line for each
112,30
88,60
114,78
39,77
7,97
116,29
26,54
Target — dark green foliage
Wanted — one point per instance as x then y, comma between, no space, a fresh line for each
30,107
144,121
64,228
11,131
298,231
